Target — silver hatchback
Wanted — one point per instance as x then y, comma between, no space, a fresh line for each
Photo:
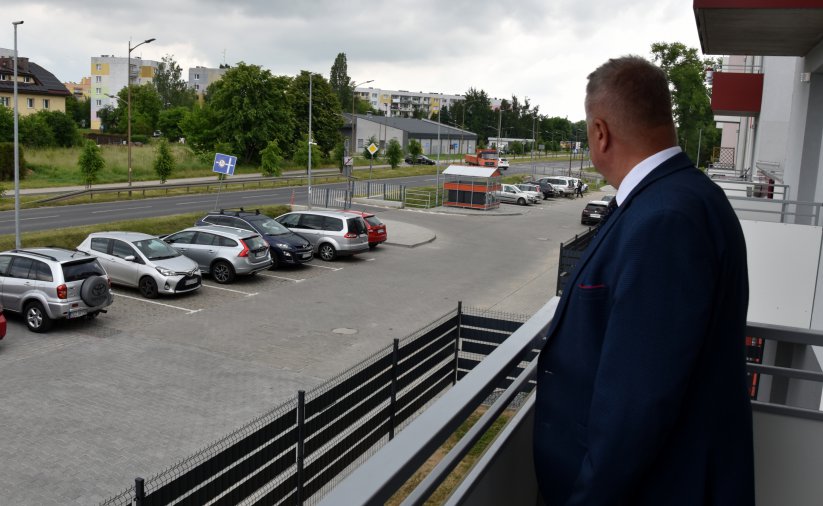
223,252
143,261
332,233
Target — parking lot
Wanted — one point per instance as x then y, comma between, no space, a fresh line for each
91,405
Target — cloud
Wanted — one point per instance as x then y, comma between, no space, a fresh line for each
539,49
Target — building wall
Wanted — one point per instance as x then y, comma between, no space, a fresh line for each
81,89
402,103
109,76
201,77
24,107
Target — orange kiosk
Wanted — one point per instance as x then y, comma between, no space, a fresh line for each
471,186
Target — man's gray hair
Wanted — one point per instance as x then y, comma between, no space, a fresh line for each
631,92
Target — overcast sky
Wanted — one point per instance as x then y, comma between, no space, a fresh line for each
541,49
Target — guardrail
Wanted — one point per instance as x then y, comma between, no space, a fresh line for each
260,182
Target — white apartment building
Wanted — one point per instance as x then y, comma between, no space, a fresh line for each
109,76
201,77
402,103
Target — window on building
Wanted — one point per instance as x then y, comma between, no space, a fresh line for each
4,77
98,91
26,79
98,102
4,101
46,103
196,86
197,77
98,79
30,103
99,66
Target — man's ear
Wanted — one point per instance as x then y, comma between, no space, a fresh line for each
601,135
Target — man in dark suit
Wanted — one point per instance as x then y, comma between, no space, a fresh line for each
641,387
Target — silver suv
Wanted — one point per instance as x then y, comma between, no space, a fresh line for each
143,261
47,284
331,233
223,252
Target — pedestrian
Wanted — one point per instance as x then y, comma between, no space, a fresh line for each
641,385
578,191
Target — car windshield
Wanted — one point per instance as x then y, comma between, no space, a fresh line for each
269,226
155,249
373,221
488,156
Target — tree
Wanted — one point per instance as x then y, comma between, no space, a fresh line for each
326,118
35,131
340,81
690,97
170,122
271,161
338,154
145,109
415,149
79,110
394,153
247,108
63,128
6,124
108,119
172,89
164,161
301,155
90,162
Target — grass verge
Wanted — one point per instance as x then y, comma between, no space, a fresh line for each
70,237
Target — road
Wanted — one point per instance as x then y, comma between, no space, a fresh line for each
45,218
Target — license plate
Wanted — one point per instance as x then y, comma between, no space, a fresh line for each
192,281
381,231
594,216
77,313
260,254
306,255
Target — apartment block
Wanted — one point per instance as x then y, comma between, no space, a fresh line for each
80,90
403,104
110,74
201,77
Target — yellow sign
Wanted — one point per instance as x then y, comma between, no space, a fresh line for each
372,148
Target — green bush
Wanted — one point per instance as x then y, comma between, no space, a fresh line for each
7,161
143,139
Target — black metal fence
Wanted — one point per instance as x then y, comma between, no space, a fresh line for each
298,451
570,253
331,198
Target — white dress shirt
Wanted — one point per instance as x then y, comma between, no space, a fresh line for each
642,170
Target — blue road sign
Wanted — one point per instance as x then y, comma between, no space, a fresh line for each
224,164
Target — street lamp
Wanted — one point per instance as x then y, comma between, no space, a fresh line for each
128,85
354,86
16,149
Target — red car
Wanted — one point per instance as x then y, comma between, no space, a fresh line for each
377,229
2,324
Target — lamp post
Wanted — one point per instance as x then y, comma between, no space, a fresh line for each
16,149
308,169
128,85
353,148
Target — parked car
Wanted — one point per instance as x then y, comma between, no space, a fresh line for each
223,252
502,163
533,190
562,186
607,198
332,233
48,284
574,181
514,195
2,324
594,212
421,160
376,228
143,261
286,247
545,187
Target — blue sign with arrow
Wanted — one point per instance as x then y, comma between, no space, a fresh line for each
224,164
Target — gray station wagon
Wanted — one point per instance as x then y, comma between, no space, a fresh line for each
332,233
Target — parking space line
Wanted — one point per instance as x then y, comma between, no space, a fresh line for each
121,209
247,294
189,311
325,267
281,277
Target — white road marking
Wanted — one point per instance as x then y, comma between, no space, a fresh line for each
192,202
325,267
247,294
189,311
281,277
282,194
121,209
38,218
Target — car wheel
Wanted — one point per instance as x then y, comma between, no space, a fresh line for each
95,291
521,201
148,287
327,252
36,318
222,272
275,262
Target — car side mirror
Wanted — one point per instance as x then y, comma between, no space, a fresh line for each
130,258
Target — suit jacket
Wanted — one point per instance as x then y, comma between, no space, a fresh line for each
641,387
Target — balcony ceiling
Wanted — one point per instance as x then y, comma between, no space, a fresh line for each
759,27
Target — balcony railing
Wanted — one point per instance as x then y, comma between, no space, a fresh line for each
788,438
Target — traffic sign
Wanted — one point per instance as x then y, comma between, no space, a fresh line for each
372,149
348,160
224,164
